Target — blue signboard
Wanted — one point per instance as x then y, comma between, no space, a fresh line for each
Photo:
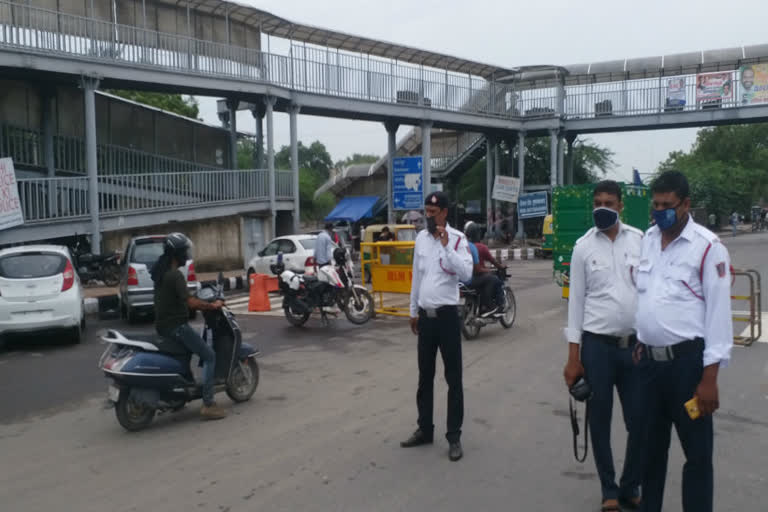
532,205
407,186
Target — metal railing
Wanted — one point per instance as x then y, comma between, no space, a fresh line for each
283,184
27,147
47,199
464,142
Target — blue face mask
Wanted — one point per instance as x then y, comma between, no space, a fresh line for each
665,219
605,218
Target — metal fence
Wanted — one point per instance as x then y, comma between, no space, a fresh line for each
46,199
27,147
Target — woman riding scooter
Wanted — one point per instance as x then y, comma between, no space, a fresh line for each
172,305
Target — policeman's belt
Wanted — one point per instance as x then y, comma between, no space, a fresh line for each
676,351
615,341
434,312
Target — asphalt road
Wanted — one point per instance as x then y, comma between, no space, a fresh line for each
321,432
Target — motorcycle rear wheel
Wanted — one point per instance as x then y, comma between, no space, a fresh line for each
132,416
294,317
243,380
361,315
469,328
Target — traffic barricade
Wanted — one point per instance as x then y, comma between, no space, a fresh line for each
390,265
753,317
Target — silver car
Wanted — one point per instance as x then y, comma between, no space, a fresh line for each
137,290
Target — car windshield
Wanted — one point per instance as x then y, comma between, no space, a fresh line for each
308,243
147,252
30,265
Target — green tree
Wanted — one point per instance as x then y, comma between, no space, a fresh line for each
727,168
176,103
358,158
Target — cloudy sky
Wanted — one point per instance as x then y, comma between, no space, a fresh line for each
507,33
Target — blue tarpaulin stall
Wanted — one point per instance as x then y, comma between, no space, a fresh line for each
352,209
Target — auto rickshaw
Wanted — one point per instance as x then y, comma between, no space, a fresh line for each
402,233
548,236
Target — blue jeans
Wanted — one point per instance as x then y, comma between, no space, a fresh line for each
499,291
606,366
194,343
672,383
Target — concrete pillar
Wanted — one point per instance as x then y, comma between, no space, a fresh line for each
570,137
294,119
521,175
258,114
232,107
488,184
553,158
269,102
426,155
391,127
89,86
48,131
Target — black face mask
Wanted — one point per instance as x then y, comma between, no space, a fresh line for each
431,225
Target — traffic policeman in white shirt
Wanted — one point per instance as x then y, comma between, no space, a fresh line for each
685,333
600,335
441,259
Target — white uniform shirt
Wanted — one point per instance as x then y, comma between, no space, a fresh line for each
684,292
437,270
602,297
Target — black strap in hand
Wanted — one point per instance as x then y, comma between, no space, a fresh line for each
575,429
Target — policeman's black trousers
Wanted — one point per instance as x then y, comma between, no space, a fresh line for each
443,332
607,367
672,383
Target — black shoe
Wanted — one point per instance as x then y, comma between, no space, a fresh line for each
417,439
455,452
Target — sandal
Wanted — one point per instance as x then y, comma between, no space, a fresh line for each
610,508
631,503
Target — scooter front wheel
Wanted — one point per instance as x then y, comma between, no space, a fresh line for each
131,415
243,380
361,310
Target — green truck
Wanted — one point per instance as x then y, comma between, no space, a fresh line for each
572,217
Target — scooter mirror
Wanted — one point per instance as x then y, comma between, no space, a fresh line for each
279,257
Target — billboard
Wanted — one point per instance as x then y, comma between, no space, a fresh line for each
407,186
754,84
506,188
714,87
10,205
532,205
675,93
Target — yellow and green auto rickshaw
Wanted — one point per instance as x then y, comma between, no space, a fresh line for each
548,236
401,232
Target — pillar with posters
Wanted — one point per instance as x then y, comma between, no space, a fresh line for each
10,205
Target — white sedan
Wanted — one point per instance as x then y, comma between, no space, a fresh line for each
40,291
298,255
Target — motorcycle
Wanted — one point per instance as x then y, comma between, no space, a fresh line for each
150,374
471,321
302,293
100,267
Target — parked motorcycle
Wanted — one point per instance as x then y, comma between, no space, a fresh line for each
100,267
471,321
302,293
151,374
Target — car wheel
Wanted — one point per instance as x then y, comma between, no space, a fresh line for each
131,315
76,335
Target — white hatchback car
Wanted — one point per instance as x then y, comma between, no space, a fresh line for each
40,291
298,255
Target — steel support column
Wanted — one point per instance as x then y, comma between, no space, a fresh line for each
570,138
258,114
391,127
552,158
560,160
48,131
488,184
294,120
89,86
426,156
521,175
269,102
232,105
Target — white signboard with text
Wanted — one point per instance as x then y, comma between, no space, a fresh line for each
10,205
506,188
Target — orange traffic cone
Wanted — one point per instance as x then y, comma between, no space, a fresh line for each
258,297
272,285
